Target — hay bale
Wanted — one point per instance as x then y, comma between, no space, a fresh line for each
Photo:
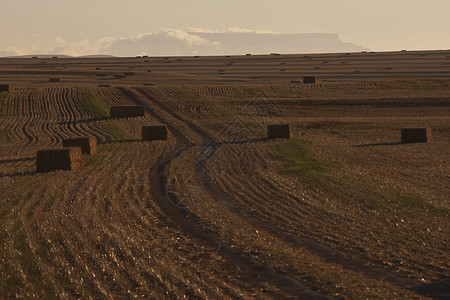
98,68
53,80
88,144
127,111
282,131
55,57
145,56
309,79
248,54
196,56
154,133
4,87
416,135
35,57
59,159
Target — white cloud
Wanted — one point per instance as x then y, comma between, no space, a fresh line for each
193,41
189,39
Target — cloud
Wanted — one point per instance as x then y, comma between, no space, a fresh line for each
189,39
194,41
231,30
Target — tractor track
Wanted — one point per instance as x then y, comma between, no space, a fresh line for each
190,223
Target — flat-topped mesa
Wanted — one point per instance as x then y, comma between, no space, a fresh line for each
416,135
88,144
154,133
127,111
59,159
279,131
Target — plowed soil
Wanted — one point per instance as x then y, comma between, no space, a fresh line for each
218,211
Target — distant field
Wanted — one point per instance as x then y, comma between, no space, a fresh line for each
254,69
340,210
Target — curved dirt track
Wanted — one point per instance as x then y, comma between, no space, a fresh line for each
253,200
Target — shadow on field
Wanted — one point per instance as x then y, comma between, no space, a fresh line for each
378,144
5,161
120,141
436,290
17,174
84,121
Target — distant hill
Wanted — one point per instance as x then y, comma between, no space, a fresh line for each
41,56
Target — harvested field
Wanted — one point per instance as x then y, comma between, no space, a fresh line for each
342,209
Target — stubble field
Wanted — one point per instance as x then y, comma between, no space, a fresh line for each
341,210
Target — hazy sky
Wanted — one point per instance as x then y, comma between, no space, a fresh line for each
80,27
